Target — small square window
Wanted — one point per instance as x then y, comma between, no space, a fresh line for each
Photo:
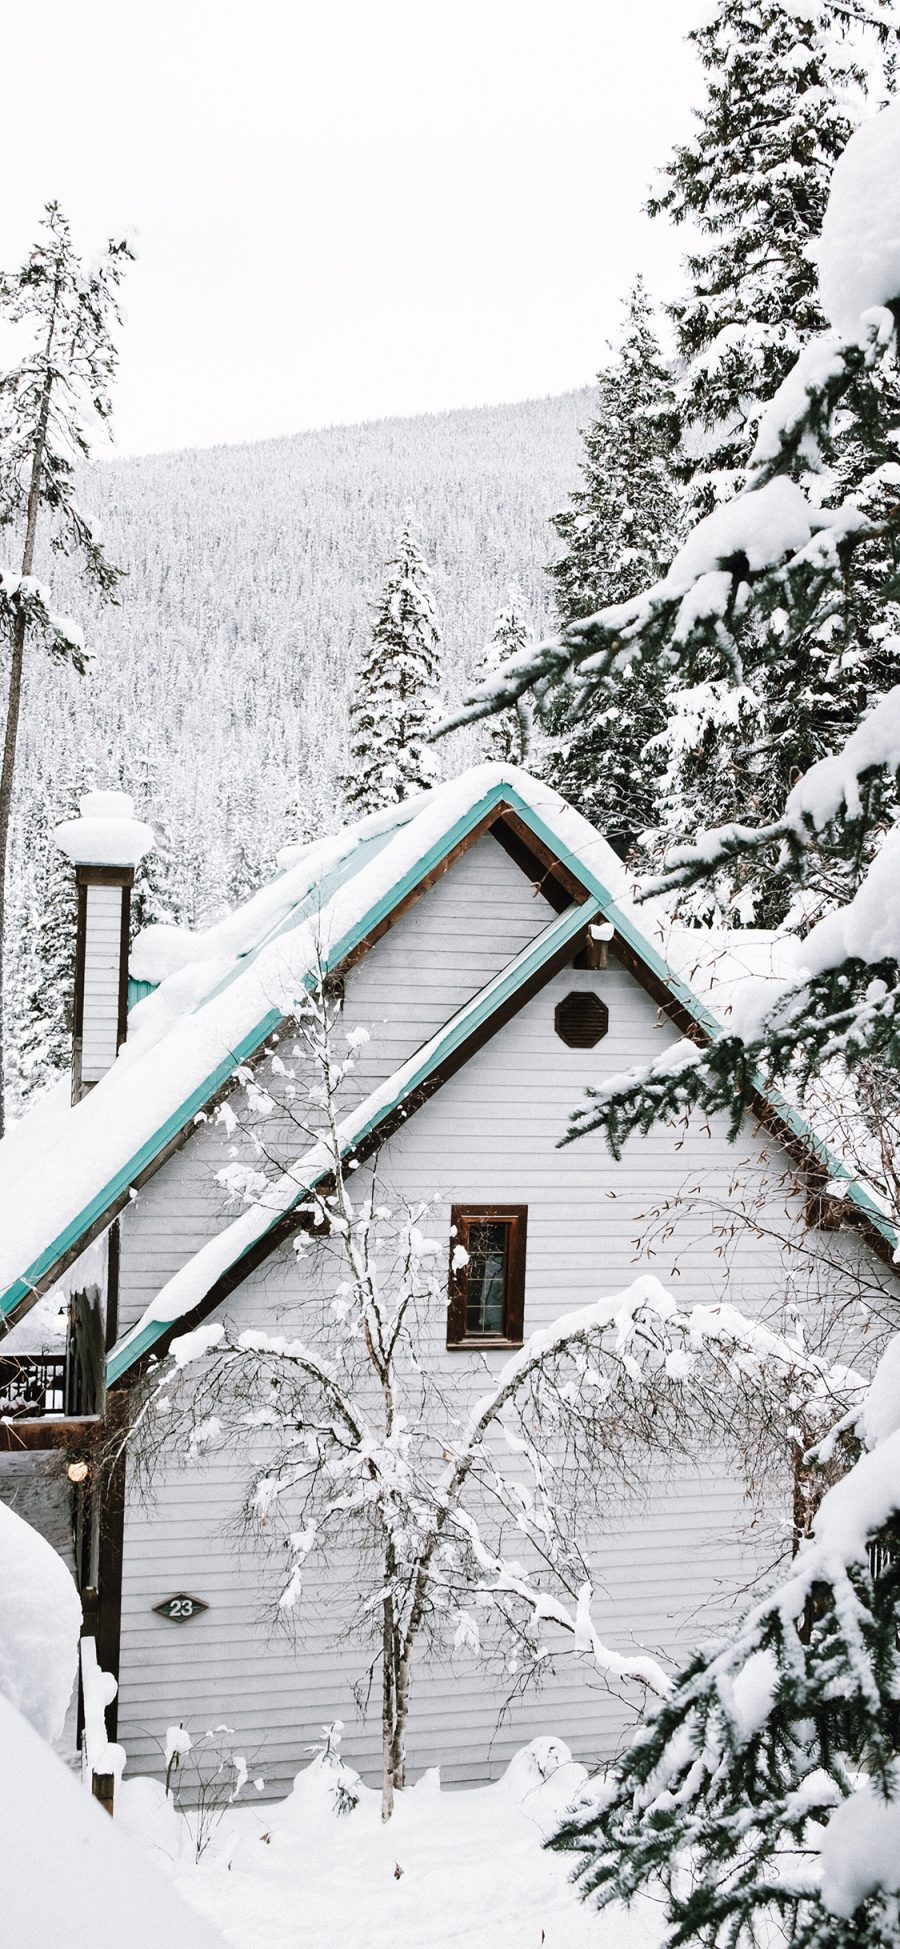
487,1276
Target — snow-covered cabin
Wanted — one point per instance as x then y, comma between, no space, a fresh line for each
486,938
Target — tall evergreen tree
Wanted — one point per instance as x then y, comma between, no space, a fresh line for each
392,706
43,923
46,402
45,1047
26,992
775,555
618,532
155,896
784,89
512,632
765,1793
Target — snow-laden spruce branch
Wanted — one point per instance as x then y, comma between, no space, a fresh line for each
772,1764
25,603
832,790
771,542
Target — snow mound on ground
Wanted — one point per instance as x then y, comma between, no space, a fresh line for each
466,1866
73,1877
40,1623
543,1775
147,1814
859,251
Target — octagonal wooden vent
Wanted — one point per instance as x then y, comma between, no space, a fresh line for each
581,1020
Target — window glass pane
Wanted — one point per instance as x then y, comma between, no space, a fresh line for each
486,1276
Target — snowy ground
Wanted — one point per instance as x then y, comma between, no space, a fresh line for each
472,1871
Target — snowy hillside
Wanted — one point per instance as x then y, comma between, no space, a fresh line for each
220,689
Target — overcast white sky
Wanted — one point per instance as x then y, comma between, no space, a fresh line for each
348,208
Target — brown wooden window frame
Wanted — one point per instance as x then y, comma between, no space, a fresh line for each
515,1217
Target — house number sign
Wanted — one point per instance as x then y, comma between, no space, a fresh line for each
179,1609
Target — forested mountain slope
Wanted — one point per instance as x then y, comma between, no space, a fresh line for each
220,686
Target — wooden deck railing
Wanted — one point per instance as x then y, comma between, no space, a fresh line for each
33,1383
57,1387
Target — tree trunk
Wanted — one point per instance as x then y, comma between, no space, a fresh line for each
7,770
388,1708
14,694
401,1716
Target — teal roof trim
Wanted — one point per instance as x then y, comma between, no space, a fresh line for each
836,1169
52,1254
137,990
465,1023
315,898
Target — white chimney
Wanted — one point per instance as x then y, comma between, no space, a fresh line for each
105,844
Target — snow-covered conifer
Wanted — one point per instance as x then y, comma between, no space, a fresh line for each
618,532
770,568
45,1043
155,893
394,691
784,89
43,916
58,390
512,632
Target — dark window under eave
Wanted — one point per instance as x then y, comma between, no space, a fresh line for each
487,1276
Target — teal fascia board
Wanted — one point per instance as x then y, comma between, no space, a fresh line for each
465,1023
137,990
316,896
856,1192
119,1184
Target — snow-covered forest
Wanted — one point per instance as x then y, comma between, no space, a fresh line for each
222,678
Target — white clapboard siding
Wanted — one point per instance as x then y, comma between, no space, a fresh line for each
102,966
474,921
665,1563
667,1566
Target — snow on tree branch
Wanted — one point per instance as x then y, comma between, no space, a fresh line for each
772,1764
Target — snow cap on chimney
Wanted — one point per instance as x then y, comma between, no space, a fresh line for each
106,832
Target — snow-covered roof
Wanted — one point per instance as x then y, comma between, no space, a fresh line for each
219,994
